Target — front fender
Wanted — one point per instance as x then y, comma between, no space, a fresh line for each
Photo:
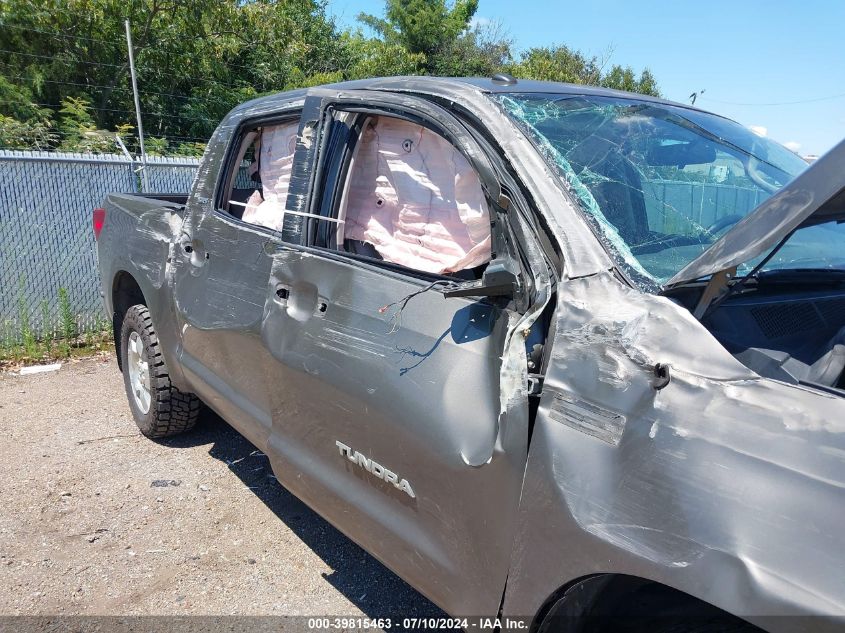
722,484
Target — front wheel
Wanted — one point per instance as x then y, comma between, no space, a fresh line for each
159,408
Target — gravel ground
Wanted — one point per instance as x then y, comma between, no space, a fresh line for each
96,519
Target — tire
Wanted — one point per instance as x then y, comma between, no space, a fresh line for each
160,409
653,609
634,607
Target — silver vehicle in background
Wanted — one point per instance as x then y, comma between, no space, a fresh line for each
548,352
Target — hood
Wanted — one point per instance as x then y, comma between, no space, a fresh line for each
815,196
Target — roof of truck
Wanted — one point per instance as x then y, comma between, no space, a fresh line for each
493,85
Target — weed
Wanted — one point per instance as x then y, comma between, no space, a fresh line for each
66,318
67,323
9,339
54,335
27,334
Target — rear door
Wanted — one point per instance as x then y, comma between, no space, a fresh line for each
386,399
222,262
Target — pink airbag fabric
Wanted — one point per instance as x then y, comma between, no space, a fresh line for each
275,160
416,199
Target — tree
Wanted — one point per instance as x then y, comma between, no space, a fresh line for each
558,63
478,52
196,59
29,134
621,78
422,27
370,57
66,61
561,63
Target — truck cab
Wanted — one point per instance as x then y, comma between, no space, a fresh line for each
447,313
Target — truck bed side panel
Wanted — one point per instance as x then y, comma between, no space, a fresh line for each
137,238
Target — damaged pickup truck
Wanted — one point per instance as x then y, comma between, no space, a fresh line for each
546,351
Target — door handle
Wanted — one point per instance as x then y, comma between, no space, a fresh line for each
186,244
300,300
194,251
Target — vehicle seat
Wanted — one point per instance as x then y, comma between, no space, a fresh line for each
828,370
615,185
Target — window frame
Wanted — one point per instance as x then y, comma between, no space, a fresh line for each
314,111
227,175
330,181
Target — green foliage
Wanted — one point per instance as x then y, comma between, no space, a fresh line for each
67,320
23,124
78,130
27,334
479,52
64,76
189,149
22,340
156,146
561,63
621,78
124,131
558,63
376,58
8,339
28,134
46,321
195,61
422,26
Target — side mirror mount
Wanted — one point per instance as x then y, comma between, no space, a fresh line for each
500,279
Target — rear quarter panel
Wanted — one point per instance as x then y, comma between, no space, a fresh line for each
138,238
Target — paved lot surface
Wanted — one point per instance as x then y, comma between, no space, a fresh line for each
83,530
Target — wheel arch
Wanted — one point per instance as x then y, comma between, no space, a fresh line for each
125,293
570,607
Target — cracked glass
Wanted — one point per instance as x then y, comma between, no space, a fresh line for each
660,183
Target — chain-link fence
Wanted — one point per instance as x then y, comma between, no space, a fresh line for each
48,269
671,205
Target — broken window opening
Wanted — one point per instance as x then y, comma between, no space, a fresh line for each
410,198
259,184
659,183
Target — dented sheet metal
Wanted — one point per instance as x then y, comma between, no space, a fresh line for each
654,453
719,474
420,395
601,423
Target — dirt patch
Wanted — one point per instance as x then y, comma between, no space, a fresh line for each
97,519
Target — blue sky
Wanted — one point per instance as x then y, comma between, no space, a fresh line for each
745,54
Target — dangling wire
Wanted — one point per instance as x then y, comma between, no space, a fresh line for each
396,317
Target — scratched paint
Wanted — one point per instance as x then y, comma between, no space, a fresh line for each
721,474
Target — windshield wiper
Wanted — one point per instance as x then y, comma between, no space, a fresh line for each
738,284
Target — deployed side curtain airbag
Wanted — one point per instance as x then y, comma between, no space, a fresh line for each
416,199
274,157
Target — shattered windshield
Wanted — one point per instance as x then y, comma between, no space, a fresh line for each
661,183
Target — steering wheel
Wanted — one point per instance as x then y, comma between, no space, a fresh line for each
722,223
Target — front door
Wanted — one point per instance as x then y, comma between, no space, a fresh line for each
385,395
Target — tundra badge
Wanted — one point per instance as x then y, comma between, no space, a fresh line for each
375,469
